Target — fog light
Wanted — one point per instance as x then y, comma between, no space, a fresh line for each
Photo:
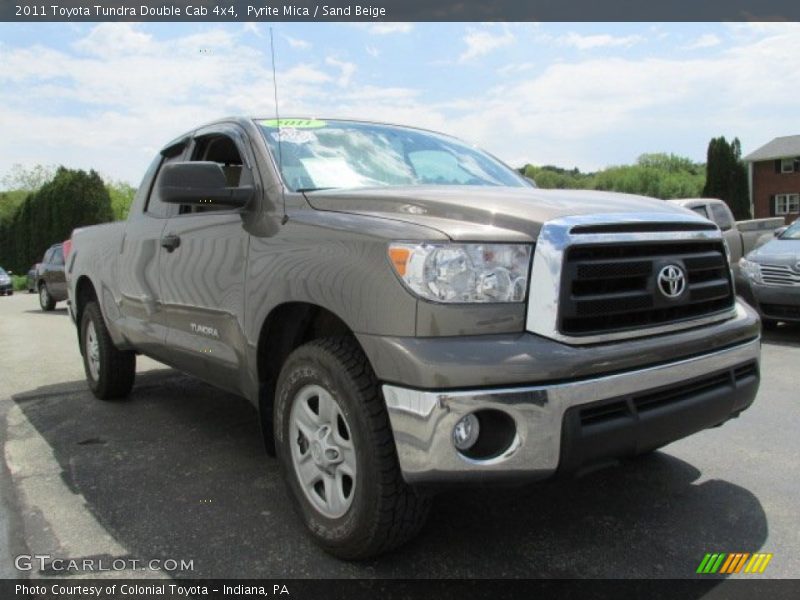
466,432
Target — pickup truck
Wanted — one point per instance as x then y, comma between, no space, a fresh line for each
407,312
740,236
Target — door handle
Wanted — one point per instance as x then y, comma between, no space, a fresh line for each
170,242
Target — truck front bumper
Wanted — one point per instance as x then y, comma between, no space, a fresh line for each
564,426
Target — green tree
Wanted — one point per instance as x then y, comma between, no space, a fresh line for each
658,175
28,179
121,194
73,198
726,176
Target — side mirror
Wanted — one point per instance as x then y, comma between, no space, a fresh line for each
779,231
201,184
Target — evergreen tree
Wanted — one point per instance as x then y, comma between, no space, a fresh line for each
71,199
726,176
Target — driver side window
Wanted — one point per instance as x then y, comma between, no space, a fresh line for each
222,150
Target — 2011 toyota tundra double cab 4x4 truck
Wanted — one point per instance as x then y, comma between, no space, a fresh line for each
407,312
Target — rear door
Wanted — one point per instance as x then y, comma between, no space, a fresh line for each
56,280
202,278
142,317
52,272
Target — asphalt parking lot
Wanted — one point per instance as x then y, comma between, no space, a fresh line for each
178,471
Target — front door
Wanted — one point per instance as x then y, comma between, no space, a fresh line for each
203,264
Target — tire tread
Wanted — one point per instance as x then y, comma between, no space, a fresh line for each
402,511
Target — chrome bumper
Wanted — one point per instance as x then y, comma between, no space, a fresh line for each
423,421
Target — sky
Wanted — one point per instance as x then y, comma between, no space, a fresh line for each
107,96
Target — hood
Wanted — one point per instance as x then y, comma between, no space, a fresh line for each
480,213
778,252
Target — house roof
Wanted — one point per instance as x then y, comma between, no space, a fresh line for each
781,147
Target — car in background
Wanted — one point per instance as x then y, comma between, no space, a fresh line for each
740,236
780,230
6,285
31,280
51,282
772,275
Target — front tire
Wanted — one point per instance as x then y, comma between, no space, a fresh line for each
46,301
337,453
109,371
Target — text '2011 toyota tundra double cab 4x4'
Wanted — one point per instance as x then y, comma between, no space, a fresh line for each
407,312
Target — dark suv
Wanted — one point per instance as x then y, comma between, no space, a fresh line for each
50,281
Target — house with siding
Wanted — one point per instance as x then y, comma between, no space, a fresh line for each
774,179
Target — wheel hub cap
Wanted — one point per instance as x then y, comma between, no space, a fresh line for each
92,350
323,454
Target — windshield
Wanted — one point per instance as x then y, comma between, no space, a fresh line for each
317,154
3,273
792,233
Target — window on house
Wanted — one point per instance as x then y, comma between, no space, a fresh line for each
787,165
786,204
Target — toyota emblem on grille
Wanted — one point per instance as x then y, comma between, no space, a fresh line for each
671,281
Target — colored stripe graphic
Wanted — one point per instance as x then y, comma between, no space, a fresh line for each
758,563
735,562
711,563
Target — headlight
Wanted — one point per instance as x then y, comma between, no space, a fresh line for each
459,273
750,269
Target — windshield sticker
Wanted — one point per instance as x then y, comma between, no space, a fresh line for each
291,135
297,123
332,172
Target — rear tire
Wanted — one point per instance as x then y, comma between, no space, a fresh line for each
110,372
376,510
46,301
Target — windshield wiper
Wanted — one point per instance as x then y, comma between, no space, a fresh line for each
314,189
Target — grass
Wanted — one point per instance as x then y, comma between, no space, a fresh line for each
20,283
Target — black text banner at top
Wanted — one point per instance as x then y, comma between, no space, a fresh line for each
399,10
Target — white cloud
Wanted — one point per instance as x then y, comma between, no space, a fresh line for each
515,68
115,39
372,51
346,70
386,28
251,27
602,40
483,41
109,111
297,43
707,40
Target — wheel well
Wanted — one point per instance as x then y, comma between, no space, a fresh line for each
286,328
84,293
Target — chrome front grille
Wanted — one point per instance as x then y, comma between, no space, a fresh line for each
594,277
613,287
782,275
